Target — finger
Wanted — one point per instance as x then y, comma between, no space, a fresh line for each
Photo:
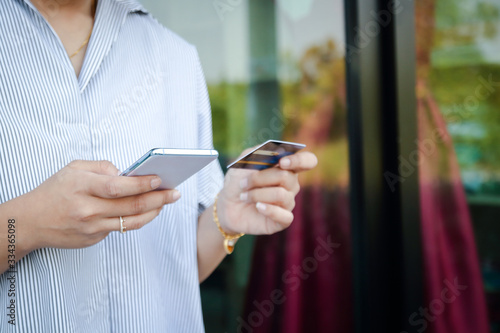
278,196
277,214
137,204
119,186
270,177
99,167
134,222
301,161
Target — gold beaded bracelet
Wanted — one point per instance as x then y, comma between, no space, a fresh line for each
229,240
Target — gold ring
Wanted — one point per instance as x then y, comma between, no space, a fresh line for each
123,229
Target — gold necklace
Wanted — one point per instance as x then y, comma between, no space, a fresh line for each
90,34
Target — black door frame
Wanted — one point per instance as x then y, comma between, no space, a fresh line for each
382,123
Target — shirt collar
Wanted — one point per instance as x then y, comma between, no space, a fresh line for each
110,17
132,6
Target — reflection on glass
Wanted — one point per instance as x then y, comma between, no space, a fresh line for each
296,273
275,70
458,70
465,79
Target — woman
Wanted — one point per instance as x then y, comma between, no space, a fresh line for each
85,89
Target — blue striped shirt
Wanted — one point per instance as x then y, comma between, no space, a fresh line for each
141,86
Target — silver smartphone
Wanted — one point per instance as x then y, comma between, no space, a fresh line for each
173,166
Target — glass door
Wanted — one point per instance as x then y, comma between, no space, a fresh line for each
276,70
458,89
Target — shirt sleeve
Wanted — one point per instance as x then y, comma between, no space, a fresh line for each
211,178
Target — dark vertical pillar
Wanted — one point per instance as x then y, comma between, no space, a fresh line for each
382,128
403,29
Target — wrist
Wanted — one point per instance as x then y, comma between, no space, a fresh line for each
18,210
221,202
229,239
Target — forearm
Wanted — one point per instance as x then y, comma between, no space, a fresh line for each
210,245
14,243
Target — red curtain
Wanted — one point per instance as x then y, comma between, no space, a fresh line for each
301,279
308,267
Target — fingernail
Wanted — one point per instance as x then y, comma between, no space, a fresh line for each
155,182
244,183
261,207
285,162
244,196
176,195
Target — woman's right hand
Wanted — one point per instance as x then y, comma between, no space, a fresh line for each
81,204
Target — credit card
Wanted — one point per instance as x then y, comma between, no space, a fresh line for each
267,155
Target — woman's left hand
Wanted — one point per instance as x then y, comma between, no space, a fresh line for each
261,202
